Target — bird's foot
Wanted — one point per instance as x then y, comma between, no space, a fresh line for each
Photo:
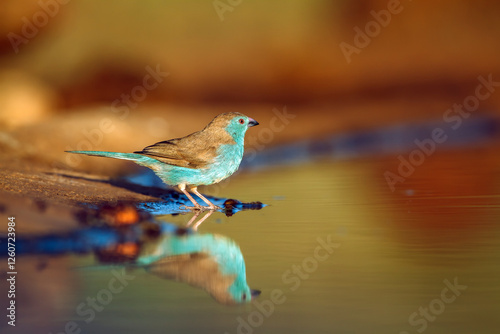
201,208
193,208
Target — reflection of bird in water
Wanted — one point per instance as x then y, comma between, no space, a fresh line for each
201,220
201,158
169,205
211,262
120,235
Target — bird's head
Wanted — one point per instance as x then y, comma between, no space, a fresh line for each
241,293
231,290
234,123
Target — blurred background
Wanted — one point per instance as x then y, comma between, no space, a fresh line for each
345,87
74,64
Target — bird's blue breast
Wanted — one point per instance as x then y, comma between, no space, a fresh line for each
227,161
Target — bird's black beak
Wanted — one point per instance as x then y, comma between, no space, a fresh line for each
255,293
252,122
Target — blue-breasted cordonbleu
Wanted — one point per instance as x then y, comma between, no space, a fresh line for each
202,158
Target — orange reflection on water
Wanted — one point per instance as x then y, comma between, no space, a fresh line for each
449,197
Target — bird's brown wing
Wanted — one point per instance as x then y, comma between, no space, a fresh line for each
196,269
192,151
185,267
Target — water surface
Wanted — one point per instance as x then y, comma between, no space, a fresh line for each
392,254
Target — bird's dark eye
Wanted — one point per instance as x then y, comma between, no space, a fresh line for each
241,120
244,296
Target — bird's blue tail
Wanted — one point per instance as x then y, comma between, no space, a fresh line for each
137,158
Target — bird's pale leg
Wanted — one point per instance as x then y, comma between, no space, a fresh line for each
210,204
198,223
182,187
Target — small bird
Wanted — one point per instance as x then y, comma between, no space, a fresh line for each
202,158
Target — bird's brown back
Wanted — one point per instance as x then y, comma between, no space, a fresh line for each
196,150
198,270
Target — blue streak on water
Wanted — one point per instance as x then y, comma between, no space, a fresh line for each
83,240
389,140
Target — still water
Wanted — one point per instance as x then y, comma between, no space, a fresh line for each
334,251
